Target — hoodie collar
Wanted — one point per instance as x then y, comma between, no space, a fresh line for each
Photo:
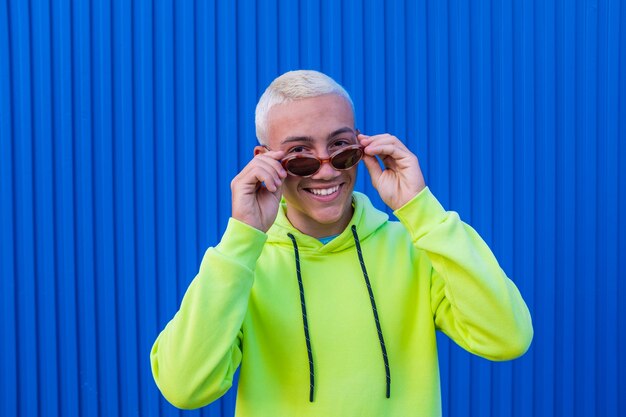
366,218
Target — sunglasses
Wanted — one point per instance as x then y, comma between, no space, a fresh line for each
308,165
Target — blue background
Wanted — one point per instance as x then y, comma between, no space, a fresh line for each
122,124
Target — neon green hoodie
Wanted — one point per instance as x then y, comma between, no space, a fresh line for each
428,272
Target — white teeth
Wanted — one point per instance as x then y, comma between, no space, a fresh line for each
324,191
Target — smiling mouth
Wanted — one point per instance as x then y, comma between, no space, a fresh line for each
322,192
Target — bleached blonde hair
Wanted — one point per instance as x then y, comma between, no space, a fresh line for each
291,86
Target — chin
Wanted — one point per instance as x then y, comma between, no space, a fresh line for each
333,214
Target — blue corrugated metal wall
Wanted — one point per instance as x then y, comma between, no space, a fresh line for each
122,123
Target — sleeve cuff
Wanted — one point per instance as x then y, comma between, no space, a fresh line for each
421,214
242,242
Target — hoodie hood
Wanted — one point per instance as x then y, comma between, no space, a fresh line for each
366,218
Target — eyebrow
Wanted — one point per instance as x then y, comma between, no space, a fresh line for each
339,132
309,139
297,139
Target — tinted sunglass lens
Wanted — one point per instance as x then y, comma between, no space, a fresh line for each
303,167
347,159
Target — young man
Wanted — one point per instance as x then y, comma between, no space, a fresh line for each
330,308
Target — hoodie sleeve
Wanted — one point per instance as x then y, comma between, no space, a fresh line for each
195,357
472,299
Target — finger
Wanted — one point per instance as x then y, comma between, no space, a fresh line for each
268,160
383,139
373,167
388,148
277,155
394,149
362,138
270,177
258,174
366,139
272,163
264,191
279,191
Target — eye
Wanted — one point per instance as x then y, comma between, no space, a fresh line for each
297,149
340,143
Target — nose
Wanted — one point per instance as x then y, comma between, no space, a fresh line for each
326,171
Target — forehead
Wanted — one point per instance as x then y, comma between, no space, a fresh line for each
315,117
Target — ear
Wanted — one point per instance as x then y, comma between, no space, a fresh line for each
260,149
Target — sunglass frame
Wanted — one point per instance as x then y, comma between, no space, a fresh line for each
321,161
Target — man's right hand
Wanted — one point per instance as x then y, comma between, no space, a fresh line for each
257,189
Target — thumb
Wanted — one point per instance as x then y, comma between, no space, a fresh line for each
372,165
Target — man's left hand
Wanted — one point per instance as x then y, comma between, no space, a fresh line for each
401,179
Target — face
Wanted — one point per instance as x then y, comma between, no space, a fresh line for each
319,205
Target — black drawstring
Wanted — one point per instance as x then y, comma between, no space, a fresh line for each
306,323
304,320
371,293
